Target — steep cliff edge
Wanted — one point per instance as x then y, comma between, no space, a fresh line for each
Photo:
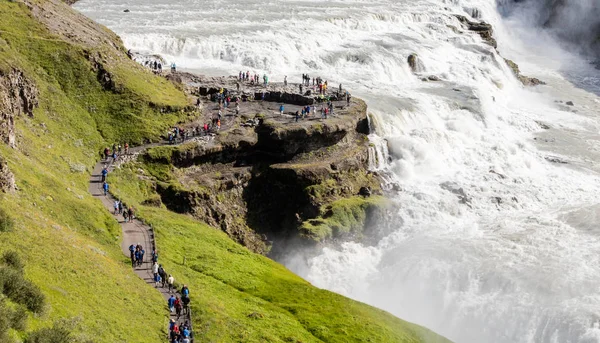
279,180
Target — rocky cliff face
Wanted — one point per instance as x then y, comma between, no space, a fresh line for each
18,96
282,180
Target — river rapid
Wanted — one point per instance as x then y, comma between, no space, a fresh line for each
515,256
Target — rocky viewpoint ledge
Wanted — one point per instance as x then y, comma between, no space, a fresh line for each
266,178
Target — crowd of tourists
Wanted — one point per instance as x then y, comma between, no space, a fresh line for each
117,151
252,79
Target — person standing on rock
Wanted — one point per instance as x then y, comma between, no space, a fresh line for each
285,80
237,109
300,86
348,96
281,109
126,148
298,115
105,188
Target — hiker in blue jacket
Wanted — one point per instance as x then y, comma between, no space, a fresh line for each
185,291
132,253
171,303
105,188
104,173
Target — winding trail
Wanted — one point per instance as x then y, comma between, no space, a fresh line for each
134,232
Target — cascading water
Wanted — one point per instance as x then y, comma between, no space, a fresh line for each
494,242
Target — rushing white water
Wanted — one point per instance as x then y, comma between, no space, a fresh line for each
513,257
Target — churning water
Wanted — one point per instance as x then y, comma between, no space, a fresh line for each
512,257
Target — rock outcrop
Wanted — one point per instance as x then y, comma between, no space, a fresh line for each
7,178
280,180
18,96
486,32
525,80
414,63
482,28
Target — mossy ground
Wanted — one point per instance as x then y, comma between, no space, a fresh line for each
342,216
69,243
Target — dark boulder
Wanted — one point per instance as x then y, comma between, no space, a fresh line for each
413,62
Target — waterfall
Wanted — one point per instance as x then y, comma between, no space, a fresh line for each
495,242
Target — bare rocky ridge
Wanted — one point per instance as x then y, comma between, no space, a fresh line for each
18,96
486,32
7,178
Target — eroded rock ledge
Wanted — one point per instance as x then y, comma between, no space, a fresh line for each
277,181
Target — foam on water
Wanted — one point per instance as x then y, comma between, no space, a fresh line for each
513,256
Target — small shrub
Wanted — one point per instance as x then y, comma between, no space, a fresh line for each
21,291
6,222
56,334
19,319
13,260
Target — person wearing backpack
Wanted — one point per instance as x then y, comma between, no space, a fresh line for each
104,173
185,291
178,307
186,304
156,280
131,252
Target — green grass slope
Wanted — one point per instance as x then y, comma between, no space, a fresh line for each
69,243
239,296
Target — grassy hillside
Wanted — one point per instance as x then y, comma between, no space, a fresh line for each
91,95
69,244
239,296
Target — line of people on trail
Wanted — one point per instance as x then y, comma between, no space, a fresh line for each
180,134
117,150
136,254
179,333
128,213
180,306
